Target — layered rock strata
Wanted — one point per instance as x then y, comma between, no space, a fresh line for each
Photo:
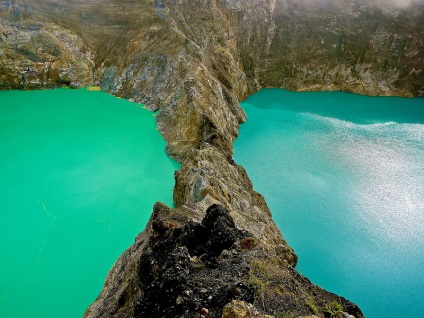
218,252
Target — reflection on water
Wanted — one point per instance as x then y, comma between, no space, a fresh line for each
344,177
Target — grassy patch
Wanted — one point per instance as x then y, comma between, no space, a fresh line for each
311,304
259,278
333,309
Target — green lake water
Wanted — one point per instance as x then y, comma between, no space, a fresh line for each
343,175
79,174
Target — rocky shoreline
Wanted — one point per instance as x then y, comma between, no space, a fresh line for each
218,252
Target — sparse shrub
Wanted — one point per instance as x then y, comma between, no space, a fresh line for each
333,309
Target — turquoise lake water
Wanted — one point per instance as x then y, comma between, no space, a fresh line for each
343,175
79,174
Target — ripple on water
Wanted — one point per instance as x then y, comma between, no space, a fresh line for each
346,187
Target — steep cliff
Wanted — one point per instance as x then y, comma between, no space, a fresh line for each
193,61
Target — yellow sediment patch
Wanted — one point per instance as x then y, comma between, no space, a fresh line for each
94,88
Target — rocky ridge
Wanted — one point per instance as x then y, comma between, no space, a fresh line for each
193,61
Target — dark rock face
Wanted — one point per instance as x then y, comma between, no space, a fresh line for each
193,61
182,273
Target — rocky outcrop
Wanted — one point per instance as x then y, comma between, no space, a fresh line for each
352,46
181,274
238,308
37,54
188,263
332,45
193,61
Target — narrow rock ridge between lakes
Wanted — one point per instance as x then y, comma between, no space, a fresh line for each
218,253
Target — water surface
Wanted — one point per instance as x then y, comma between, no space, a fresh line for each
343,175
79,174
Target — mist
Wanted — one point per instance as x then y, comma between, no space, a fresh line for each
395,3
383,4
